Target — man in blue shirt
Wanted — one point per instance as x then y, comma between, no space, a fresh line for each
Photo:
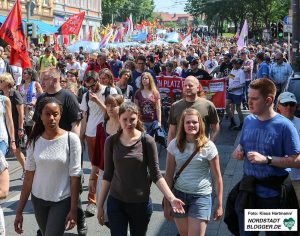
263,70
115,64
269,144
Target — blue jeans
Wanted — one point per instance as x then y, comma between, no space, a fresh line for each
121,213
3,147
261,203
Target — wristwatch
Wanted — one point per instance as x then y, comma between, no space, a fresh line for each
269,160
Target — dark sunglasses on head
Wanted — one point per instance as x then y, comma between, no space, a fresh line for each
291,104
63,81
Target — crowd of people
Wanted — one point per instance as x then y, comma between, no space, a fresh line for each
109,103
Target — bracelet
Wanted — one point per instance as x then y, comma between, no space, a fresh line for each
92,179
12,141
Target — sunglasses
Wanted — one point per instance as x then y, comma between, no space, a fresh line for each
91,86
63,81
291,104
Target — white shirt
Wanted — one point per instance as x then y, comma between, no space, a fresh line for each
2,66
96,115
82,70
53,164
236,78
75,66
17,74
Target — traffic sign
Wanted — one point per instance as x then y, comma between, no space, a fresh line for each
286,20
287,28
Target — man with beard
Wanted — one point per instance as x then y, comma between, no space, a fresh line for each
196,71
206,109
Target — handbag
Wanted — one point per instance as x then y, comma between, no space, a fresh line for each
180,171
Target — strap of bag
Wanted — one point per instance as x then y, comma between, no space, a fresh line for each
69,154
184,165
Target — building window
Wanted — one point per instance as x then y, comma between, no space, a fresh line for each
83,3
46,3
95,5
90,4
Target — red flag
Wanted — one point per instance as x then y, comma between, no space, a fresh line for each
12,32
73,24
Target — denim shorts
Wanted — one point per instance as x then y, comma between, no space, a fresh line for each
235,99
196,206
3,147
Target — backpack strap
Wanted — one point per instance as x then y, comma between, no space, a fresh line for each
107,91
87,98
69,144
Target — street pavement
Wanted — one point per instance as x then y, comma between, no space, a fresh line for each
230,168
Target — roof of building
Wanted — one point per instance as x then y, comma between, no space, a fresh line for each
173,16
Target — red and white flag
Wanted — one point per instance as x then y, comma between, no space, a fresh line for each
12,33
72,25
105,39
187,40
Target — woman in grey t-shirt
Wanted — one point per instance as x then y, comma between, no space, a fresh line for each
193,185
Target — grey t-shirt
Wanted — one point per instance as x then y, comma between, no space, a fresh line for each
195,178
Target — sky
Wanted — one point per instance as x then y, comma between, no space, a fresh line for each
171,6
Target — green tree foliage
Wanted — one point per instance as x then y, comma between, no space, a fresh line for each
259,13
118,10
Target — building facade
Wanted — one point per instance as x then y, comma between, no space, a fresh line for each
63,9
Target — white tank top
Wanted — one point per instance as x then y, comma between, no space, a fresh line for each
3,132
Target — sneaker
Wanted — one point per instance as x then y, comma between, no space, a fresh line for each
90,210
82,229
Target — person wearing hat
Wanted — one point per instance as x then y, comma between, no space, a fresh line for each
235,93
196,71
287,106
169,70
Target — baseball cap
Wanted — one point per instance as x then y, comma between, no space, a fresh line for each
194,60
287,97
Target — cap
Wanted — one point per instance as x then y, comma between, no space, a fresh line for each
194,60
287,97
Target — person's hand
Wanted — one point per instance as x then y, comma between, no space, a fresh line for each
71,220
18,223
158,124
93,97
100,215
256,158
238,153
20,133
177,205
218,212
13,147
92,185
167,210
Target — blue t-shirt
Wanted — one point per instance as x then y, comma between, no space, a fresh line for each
115,67
136,79
263,69
274,137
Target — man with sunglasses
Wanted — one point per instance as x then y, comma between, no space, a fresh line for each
280,73
196,71
94,109
287,106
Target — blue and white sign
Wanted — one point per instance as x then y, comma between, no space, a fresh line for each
286,20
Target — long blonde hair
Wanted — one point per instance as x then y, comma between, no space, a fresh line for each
152,85
200,137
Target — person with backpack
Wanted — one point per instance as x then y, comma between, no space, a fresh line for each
54,202
93,108
47,61
129,154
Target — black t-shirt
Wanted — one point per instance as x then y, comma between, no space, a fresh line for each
200,74
15,99
225,68
71,111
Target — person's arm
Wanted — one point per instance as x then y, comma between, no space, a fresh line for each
292,161
171,132
4,184
158,111
38,88
105,185
93,179
71,218
25,192
10,124
83,126
76,127
218,183
94,98
215,129
20,109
